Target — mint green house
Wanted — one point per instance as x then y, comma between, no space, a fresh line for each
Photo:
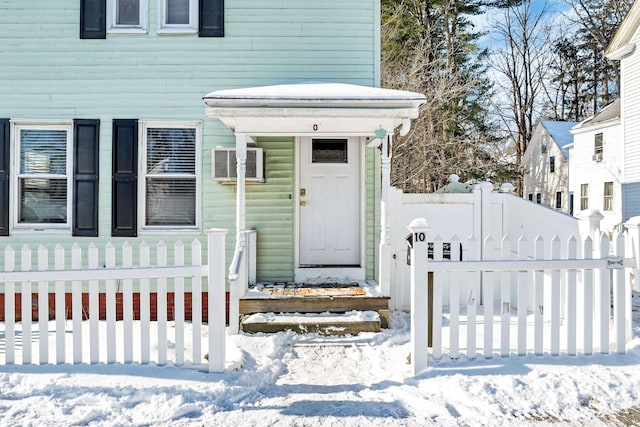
157,120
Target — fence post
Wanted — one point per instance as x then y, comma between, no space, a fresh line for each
590,223
633,227
419,296
216,298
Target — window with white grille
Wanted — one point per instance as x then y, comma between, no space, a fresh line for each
170,189
43,176
607,203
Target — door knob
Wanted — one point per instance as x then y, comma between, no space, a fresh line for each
303,203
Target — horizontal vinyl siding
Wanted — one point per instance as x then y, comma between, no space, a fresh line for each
630,200
48,72
372,215
631,115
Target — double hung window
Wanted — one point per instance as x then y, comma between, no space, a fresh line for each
43,170
177,15
584,196
607,203
127,16
169,165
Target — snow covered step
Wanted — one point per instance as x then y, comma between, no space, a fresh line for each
351,323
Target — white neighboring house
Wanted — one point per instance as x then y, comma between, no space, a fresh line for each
623,48
595,166
545,165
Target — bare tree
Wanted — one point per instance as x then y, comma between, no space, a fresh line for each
427,48
521,62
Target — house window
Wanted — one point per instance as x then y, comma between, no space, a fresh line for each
127,16
607,203
584,196
552,164
558,199
531,197
177,16
597,147
42,180
538,198
169,190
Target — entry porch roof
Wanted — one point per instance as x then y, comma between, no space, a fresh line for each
345,108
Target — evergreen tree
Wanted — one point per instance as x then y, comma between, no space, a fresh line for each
429,46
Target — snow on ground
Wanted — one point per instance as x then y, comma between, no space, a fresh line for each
308,380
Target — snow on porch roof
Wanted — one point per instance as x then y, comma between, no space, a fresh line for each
315,95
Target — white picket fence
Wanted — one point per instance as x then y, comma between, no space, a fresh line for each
117,337
544,297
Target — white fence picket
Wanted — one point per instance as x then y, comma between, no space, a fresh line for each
472,297
61,313
94,308
196,303
43,308
76,304
619,291
27,302
110,296
522,289
571,318
178,299
538,299
161,305
587,279
555,299
127,304
487,298
10,307
505,299
436,328
603,292
145,308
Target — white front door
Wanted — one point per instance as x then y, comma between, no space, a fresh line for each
329,202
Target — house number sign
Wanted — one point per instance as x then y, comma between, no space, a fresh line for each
315,127
419,237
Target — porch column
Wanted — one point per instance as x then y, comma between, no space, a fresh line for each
241,169
385,235
237,270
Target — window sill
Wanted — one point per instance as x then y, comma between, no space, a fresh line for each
127,31
176,31
171,231
38,230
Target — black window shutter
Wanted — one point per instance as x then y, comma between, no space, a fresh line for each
211,21
85,177
5,161
124,198
93,19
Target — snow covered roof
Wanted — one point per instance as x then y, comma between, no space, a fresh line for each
294,109
608,113
315,94
560,133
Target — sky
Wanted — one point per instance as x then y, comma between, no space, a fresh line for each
286,379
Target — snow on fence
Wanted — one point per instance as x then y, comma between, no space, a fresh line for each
20,334
542,298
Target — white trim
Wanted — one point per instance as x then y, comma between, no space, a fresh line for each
142,149
28,228
114,28
164,28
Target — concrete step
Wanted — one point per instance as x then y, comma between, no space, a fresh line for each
350,323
